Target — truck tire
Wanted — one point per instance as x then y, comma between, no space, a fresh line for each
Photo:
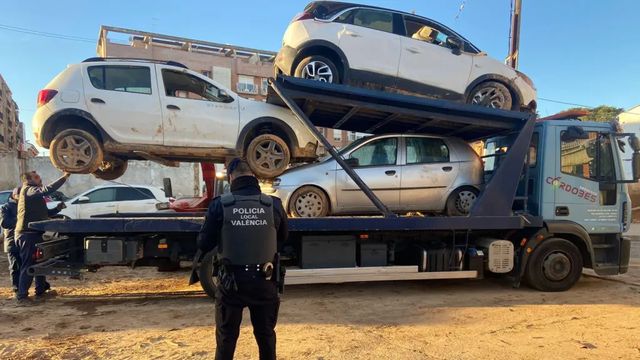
555,265
268,156
205,272
76,151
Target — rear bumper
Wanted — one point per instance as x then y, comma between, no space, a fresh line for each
284,60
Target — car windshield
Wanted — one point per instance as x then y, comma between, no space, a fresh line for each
347,148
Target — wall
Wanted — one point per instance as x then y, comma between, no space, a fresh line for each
9,170
185,181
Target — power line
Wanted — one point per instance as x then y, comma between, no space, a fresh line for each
45,34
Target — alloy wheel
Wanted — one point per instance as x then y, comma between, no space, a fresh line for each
75,152
269,155
489,97
319,71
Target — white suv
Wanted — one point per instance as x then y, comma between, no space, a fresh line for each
386,49
96,115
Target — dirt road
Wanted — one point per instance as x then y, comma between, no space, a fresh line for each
119,313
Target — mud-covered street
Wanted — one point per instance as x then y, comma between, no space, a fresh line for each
122,313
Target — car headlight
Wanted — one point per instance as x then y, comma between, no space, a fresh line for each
526,79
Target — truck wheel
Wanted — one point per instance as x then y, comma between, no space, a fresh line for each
460,201
555,265
76,151
205,272
317,68
268,156
309,201
491,94
116,169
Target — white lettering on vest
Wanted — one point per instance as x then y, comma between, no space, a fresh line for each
248,222
248,211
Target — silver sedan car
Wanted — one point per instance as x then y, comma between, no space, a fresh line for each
407,172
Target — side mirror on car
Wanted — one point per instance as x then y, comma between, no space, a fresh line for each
226,98
82,200
455,44
353,162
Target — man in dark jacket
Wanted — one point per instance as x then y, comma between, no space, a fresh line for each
248,228
9,213
33,207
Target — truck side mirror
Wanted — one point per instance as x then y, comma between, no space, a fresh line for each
634,142
168,189
635,166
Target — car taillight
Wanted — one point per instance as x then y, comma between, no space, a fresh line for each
44,96
302,16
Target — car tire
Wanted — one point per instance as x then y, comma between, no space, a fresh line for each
555,265
206,275
116,169
318,68
309,201
268,156
76,151
460,201
491,94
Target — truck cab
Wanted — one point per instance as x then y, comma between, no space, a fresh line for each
577,183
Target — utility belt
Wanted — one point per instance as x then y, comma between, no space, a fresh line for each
270,271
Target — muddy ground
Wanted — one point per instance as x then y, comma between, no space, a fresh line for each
120,313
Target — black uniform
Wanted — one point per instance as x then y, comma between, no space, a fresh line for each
265,218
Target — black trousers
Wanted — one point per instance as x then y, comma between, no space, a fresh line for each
261,297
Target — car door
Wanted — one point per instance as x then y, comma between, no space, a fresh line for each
378,168
369,43
196,112
584,182
135,199
427,175
428,66
100,201
124,101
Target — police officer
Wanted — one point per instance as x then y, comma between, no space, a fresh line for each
248,228
9,213
32,207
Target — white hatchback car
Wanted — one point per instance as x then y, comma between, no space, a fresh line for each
386,49
110,199
96,115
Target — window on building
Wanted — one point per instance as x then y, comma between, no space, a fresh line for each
351,136
1,115
265,86
206,73
377,153
337,135
1,139
102,195
179,84
133,79
426,150
132,194
246,85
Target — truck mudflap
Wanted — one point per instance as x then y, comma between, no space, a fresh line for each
625,254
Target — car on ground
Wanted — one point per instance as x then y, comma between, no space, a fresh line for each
109,199
5,196
407,172
374,47
95,116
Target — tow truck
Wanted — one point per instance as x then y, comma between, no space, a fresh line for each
554,201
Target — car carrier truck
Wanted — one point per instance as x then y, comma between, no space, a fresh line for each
554,201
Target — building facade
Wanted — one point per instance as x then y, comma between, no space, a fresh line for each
243,70
12,154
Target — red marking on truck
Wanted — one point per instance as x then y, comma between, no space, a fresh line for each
573,190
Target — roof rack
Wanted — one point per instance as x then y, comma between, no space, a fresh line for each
172,63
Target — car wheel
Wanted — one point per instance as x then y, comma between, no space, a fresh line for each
309,201
318,68
491,94
461,201
111,170
268,156
76,151
555,265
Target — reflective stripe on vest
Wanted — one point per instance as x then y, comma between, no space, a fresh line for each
248,229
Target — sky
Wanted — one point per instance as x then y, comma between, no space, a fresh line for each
576,51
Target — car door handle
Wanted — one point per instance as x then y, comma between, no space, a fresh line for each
173,107
390,172
413,50
447,168
97,101
352,34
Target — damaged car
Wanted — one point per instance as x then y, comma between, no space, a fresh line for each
391,50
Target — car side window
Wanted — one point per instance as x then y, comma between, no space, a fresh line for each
426,151
419,30
374,19
102,195
182,85
132,79
377,153
132,194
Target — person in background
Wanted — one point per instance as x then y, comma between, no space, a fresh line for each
33,207
9,212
